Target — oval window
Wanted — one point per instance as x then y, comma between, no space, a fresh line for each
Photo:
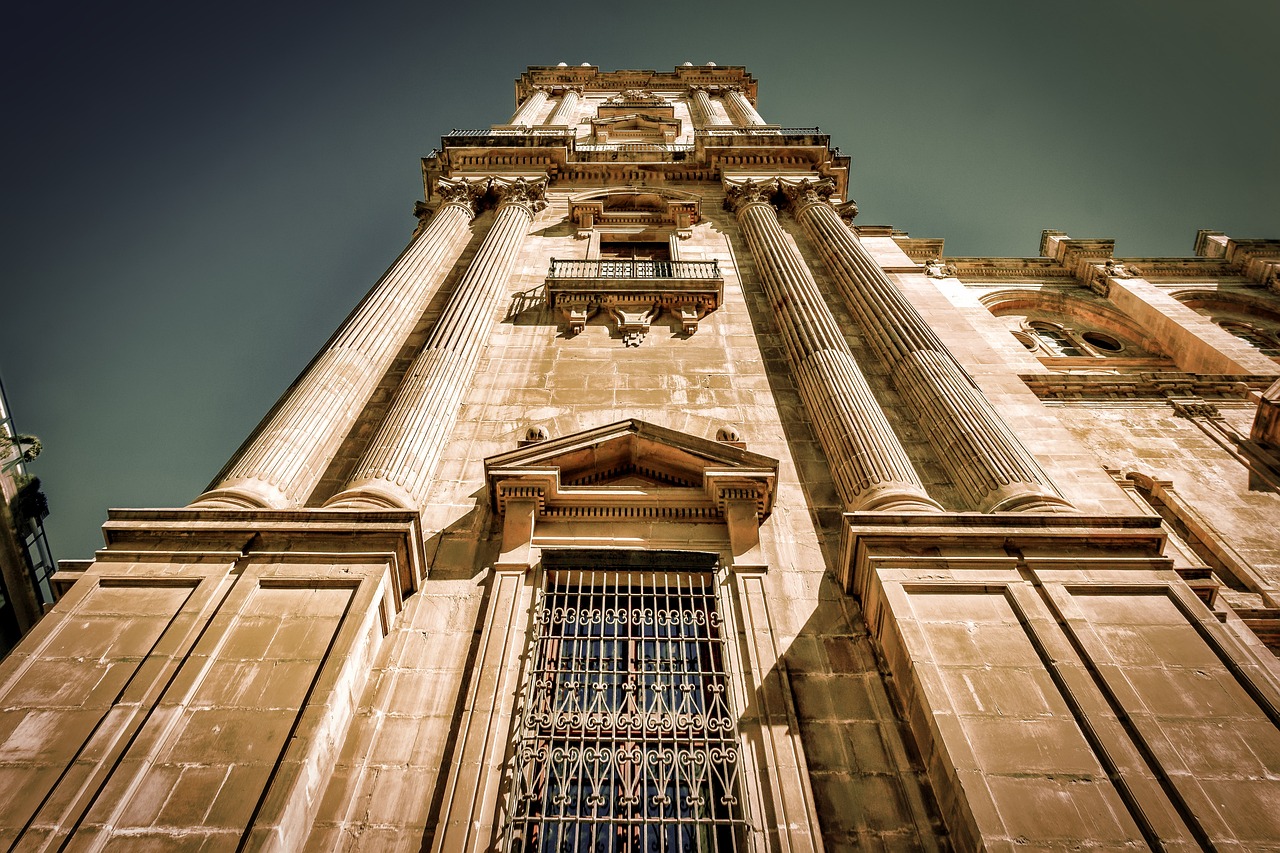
1103,342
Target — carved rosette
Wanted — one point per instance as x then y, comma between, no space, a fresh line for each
531,195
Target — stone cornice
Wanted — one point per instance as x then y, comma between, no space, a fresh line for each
592,79
1163,387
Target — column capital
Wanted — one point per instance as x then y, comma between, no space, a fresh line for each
529,194
739,195
564,90
462,192
805,193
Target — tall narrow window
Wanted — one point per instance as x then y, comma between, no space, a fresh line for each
627,741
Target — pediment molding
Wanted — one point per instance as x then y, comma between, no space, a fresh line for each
632,469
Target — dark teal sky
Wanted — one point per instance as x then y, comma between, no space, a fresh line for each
197,194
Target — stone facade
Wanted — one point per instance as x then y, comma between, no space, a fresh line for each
985,547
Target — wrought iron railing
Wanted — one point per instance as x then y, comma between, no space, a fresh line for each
633,146
706,270
512,131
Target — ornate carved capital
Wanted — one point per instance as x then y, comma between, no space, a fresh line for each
462,192
738,196
564,90
848,211
531,195
804,193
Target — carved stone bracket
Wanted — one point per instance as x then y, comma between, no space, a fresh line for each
633,320
577,312
1194,407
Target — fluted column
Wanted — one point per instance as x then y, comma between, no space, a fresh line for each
567,110
285,460
870,468
396,469
528,111
702,108
984,458
740,107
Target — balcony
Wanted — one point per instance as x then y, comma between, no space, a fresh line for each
634,292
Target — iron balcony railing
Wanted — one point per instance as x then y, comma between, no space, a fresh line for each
512,131
702,270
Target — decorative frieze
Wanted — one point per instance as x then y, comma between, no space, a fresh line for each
1144,387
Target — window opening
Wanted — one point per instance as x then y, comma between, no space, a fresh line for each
627,740
1056,341
635,260
1106,343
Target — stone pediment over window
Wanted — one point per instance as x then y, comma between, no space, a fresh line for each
646,207
632,469
634,101
635,127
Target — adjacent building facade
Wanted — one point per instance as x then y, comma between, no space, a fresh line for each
650,502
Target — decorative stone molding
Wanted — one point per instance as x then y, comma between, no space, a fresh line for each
629,206
633,320
1144,387
740,194
1194,407
936,268
632,469
531,195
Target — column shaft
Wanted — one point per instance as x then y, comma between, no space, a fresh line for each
285,460
984,458
528,111
396,468
869,466
567,110
741,108
703,113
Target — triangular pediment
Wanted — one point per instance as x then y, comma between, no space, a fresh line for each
631,465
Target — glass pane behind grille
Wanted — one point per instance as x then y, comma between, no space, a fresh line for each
627,740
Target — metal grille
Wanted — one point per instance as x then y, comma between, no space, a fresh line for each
627,741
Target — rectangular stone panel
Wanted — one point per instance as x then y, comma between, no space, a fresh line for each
203,761
66,685
1215,740
1015,748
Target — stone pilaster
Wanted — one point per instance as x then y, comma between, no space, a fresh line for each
284,461
396,468
741,108
868,464
567,110
985,459
532,105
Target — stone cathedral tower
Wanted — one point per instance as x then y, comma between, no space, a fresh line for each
648,503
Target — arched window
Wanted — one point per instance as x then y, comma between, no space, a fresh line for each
1266,341
1056,341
